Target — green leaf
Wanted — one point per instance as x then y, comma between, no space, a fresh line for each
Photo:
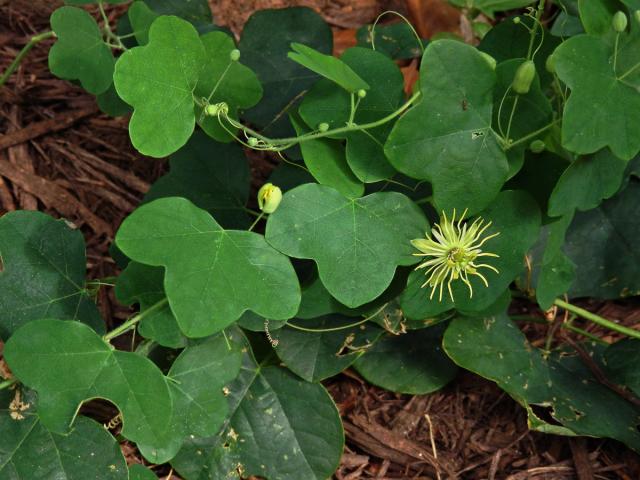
143,284
79,53
494,348
596,15
491,6
197,12
447,138
317,356
224,80
214,176
622,360
67,364
586,182
43,272
604,107
327,162
281,427
412,363
197,378
356,243
327,66
265,42
139,472
158,80
604,247
212,275
325,103
557,271
317,302
28,451
110,103
397,40
141,18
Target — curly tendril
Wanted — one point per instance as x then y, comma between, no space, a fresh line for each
454,249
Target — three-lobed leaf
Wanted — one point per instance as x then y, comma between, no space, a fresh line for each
158,80
356,243
80,52
67,363
212,275
447,138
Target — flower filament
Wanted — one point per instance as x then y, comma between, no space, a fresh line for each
453,249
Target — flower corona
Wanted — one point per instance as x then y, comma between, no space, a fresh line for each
454,249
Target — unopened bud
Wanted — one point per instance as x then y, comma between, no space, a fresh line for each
269,197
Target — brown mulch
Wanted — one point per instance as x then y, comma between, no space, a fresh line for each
60,155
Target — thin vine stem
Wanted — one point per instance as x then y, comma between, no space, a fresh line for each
255,222
531,135
23,53
597,319
131,323
8,383
513,111
372,35
534,29
337,329
290,141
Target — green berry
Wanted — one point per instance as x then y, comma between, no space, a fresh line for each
489,59
537,146
323,127
619,22
516,20
234,55
362,93
550,64
252,141
523,78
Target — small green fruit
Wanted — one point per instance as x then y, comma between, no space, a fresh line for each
619,22
211,110
489,59
523,78
252,141
323,127
537,146
269,197
362,93
234,55
516,20
550,64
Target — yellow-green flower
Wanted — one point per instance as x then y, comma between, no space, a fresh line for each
454,249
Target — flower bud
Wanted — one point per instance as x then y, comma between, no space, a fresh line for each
269,197
637,15
619,22
211,110
537,146
234,55
489,59
362,93
516,20
523,78
252,141
323,127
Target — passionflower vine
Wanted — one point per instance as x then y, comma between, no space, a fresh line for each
453,249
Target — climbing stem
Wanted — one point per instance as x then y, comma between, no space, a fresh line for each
597,319
23,53
534,30
531,135
336,329
8,383
289,141
255,222
133,321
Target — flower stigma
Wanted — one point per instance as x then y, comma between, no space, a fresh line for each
452,250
